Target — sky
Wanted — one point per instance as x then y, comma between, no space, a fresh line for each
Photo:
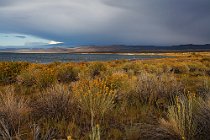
13,40
104,22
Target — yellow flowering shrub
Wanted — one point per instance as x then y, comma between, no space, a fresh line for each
121,81
40,75
10,70
45,77
94,96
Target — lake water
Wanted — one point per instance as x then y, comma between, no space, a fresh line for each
64,57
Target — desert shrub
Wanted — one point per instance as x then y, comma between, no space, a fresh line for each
95,98
202,114
165,67
205,59
26,83
67,73
151,89
180,68
203,90
151,68
55,103
189,118
135,67
208,72
47,130
115,134
55,64
55,111
120,81
40,77
39,134
148,99
26,78
14,115
45,77
197,69
97,68
10,70
143,131
206,62
181,117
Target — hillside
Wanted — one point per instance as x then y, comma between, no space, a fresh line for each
124,48
111,49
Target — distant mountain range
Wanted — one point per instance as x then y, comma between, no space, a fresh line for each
111,49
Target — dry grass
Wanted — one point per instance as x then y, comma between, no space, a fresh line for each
55,103
14,112
143,131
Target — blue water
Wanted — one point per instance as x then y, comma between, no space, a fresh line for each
65,57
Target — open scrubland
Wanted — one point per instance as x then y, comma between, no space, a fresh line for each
143,99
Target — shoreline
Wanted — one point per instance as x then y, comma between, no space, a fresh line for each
118,53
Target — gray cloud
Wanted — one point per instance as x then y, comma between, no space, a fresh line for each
20,36
109,21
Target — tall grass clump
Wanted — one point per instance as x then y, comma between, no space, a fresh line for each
95,98
181,117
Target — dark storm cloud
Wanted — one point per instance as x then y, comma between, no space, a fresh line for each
109,21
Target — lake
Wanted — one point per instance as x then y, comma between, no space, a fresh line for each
65,57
